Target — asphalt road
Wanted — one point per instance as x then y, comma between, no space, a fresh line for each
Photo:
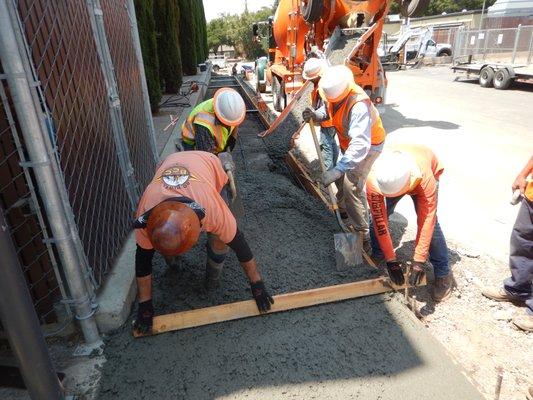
483,136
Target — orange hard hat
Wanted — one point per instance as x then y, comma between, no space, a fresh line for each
173,228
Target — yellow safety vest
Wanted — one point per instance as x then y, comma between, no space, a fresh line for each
204,114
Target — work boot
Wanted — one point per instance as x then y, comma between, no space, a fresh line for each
212,276
442,288
498,294
524,322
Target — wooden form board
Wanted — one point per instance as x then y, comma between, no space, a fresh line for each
283,302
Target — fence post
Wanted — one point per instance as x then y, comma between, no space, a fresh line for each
146,98
22,325
487,34
530,48
30,118
117,124
516,41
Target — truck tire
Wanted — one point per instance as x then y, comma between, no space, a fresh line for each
312,10
216,68
413,8
444,53
502,79
486,77
276,94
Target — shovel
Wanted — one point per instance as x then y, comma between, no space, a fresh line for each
348,245
235,202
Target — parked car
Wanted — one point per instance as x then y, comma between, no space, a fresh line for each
218,62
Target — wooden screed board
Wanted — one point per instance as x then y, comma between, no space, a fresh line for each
282,302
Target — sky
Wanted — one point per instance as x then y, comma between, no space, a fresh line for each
215,7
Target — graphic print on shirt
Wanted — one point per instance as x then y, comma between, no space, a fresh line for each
176,177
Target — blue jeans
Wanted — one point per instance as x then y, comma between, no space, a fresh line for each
438,249
329,147
520,284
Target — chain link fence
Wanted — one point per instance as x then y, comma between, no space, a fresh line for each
26,222
84,60
508,45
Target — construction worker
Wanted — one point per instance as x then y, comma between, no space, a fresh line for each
361,137
184,198
519,286
314,68
212,124
414,170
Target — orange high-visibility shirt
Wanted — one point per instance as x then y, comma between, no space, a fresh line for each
425,193
199,176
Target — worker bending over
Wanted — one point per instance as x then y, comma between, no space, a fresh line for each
184,198
361,137
519,286
414,170
314,68
212,124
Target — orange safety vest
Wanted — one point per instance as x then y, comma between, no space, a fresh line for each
314,101
339,112
204,114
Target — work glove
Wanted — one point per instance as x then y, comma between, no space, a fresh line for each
227,161
417,273
261,296
330,176
145,316
308,114
394,268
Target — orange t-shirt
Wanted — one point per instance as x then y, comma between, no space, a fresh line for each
199,176
425,193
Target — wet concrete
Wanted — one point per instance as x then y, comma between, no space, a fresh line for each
367,348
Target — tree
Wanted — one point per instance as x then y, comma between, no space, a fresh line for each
187,37
167,17
437,7
146,26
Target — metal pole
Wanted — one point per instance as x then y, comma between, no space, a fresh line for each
482,14
31,128
516,38
22,327
146,98
530,48
115,109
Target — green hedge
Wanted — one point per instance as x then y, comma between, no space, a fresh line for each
167,20
188,37
146,25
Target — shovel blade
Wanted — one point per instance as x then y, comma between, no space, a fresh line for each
348,250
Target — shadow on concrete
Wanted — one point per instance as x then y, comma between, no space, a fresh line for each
394,119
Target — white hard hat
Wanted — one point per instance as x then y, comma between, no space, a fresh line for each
314,68
335,83
229,106
393,173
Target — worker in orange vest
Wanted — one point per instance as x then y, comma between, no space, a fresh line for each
361,137
313,70
184,198
413,170
518,287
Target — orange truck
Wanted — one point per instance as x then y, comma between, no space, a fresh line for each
301,27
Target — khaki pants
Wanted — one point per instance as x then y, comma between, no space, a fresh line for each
351,194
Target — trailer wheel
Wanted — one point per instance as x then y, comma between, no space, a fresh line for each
502,79
413,8
486,77
312,10
276,94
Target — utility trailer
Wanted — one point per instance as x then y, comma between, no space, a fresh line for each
499,75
